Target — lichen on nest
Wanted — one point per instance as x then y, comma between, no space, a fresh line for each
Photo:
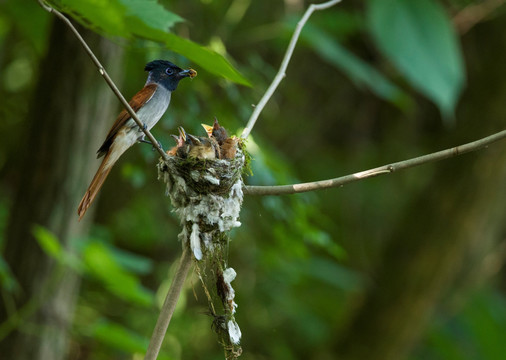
207,196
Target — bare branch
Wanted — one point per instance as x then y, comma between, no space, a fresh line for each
169,305
385,169
106,77
284,64
474,14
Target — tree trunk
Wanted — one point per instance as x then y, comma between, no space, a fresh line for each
456,219
69,115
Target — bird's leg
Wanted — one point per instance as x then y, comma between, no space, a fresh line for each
142,140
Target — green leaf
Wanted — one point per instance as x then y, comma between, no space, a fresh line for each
102,264
150,12
418,37
120,338
486,319
208,59
35,30
144,19
136,263
48,242
102,16
7,279
360,72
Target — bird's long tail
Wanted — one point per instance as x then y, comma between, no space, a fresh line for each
96,184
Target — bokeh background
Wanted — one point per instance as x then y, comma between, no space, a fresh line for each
405,266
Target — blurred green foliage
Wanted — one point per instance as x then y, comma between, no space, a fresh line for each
147,20
418,38
304,261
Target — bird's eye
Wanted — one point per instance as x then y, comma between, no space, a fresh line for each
169,71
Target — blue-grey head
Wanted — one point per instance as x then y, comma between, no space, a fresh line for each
167,74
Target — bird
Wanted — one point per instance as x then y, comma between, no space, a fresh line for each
149,104
198,147
217,131
203,148
227,145
182,146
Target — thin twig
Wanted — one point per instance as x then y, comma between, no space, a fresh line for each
106,77
474,14
284,64
382,170
169,305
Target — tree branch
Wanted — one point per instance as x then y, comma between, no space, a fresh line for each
474,14
385,169
106,77
169,305
284,64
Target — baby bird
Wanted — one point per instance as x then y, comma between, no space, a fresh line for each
228,145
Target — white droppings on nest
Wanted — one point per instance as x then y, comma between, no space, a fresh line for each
195,242
234,332
207,198
232,208
215,210
195,175
208,241
228,276
212,179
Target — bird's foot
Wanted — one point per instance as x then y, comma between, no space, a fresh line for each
150,143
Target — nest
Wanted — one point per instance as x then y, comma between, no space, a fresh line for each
207,196
190,177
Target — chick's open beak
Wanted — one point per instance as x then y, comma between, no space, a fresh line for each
182,133
209,129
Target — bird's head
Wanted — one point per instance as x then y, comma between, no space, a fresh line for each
167,74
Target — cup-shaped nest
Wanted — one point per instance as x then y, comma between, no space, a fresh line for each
190,177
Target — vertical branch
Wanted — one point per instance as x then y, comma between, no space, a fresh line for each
284,64
169,305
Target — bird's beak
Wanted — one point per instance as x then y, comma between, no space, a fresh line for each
188,73
195,139
182,133
216,125
209,129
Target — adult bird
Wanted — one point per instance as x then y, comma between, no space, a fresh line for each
150,103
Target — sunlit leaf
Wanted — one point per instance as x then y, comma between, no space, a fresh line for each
102,264
99,15
418,37
150,12
48,242
52,247
147,20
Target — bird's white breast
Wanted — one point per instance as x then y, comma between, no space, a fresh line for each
155,107
149,114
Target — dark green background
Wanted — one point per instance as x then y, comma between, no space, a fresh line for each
405,266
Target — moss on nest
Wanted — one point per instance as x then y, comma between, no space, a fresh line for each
202,176
207,196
